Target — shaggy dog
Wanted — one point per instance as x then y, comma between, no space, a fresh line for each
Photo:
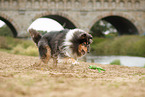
72,43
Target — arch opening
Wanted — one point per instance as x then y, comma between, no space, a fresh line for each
122,25
66,23
116,24
44,25
12,28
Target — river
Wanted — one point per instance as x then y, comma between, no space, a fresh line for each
124,60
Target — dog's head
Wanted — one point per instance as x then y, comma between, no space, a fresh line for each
77,43
85,40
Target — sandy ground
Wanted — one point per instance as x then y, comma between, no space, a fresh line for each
22,76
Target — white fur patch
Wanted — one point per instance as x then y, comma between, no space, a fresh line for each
67,42
70,34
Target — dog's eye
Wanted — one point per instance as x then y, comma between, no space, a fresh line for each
84,44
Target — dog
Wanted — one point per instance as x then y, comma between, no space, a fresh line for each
72,43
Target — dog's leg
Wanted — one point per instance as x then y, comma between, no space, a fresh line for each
74,62
55,61
45,54
55,56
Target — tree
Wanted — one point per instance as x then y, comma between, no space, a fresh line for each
42,32
100,27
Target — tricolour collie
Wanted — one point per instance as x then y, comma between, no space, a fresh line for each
73,43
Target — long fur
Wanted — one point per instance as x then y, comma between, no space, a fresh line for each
71,43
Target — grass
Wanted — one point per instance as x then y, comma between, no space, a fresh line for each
132,45
18,46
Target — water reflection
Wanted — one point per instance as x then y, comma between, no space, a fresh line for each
125,60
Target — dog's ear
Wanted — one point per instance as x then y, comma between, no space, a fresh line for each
90,36
83,36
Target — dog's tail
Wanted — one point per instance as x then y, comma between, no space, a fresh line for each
36,36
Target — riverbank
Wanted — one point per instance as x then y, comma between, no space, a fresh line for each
128,45
21,76
132,45
130,61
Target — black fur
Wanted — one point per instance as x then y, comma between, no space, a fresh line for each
54,40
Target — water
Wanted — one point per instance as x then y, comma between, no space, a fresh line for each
125,60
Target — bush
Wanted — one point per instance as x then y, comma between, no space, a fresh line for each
3,43
116,62
18,46
5,31
18,50
31,51
123,45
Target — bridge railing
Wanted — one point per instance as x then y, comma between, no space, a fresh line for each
72,4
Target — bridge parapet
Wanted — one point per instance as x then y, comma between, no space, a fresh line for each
73,4
79,13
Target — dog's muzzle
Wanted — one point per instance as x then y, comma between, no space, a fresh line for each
88,49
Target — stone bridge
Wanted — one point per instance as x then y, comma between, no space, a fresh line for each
127,16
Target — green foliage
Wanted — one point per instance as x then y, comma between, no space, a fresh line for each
111,35
5,31
42,32
116,62
30,51
97,30
96,41
123,45
18,46
3,43
100,27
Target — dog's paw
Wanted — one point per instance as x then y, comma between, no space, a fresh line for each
75,62
68,61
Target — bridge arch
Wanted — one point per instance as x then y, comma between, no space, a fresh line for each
10,23
65,20
123,23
